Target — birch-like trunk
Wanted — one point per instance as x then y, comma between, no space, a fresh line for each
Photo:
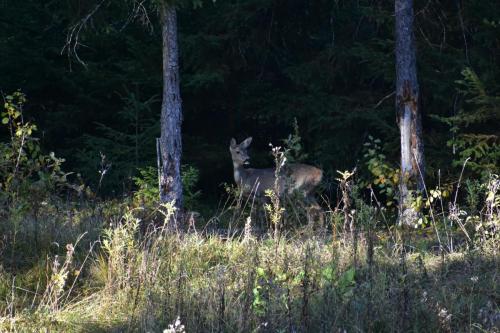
171,112
408,111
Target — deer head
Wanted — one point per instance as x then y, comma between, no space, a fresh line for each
239,152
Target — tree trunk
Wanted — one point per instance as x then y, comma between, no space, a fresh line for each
171,112
408,112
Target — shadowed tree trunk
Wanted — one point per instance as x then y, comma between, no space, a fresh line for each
171,112
408,111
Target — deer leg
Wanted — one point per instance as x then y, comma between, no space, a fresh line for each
314,211
259,214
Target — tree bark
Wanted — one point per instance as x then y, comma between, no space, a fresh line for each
408,110
171,112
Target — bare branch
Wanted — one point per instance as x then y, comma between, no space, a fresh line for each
139,12
383,99
73,37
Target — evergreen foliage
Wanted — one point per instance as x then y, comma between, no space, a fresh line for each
472,137
250,68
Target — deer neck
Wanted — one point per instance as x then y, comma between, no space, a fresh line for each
239,173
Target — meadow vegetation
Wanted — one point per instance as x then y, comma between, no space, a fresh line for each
74,262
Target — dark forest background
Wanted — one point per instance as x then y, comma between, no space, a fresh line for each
250,68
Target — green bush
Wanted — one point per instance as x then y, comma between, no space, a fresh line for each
147,192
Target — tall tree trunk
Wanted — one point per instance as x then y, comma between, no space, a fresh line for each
408,111
171,112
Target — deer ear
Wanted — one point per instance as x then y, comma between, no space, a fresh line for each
247,142
232,143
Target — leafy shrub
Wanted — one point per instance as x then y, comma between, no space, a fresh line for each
28,177
384,176
147,192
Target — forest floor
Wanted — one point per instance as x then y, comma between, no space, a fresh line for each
122,278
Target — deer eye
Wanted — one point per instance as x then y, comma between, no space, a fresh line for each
237,152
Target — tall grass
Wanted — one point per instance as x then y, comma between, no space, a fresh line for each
358,272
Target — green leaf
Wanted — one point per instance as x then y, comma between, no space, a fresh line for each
328,273
299,277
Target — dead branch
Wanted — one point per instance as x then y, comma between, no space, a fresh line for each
73,37
139,11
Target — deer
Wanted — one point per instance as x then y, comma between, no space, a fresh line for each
295,177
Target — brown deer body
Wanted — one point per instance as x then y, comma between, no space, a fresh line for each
294,177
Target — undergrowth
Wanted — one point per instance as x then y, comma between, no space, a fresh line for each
70,262
381,281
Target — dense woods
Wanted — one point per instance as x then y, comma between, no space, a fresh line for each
118,115
251,68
